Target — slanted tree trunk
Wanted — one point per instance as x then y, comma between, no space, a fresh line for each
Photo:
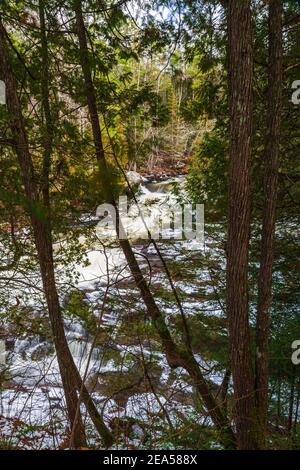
48,134
176,357
71,379
272,145
241,113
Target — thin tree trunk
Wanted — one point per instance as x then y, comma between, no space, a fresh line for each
241,115
71,379
278,407
48,128
176,357
269,210
291,401
47,133
297,408
223,391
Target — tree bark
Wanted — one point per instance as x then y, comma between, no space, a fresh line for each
241,114
176,357
48,134
48,127
272,146
71,379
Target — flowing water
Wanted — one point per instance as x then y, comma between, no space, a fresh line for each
32,391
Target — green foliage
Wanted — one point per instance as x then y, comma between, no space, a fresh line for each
160,76
207,182
76,307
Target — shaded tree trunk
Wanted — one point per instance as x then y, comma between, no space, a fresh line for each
48,267
176,357
278,407
241,114
269,209
296,408
48,127
71,379
291,401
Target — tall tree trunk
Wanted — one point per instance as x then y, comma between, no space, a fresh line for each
176,357
48,127
47,134
241,115
71,379
272,145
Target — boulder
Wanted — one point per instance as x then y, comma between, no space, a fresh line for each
134,178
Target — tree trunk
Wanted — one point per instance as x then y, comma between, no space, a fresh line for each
48,267
278,407
241,115
272,145
176,357
291,401
297,408
71,379
48,128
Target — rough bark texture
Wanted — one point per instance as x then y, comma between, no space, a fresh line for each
241,111
269,210
70,376
176,357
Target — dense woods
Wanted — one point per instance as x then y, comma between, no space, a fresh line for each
126,320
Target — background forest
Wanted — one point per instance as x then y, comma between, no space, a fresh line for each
144,343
